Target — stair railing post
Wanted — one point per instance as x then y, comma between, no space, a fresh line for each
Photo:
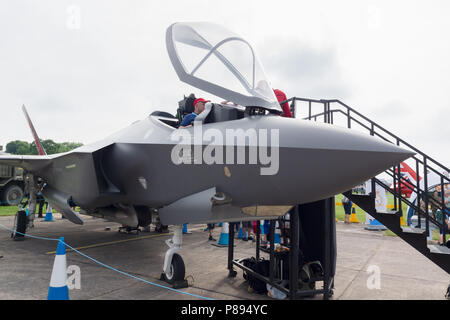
374,192
330,119
418,194
309,105
443,208
349,119
425,177
293,107
396,182
399,185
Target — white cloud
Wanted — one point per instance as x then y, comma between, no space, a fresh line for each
83,84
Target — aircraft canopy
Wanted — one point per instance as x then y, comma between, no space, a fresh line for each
216,60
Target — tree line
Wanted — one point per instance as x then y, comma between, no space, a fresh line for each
51,147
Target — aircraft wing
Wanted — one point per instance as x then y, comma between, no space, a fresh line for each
29,163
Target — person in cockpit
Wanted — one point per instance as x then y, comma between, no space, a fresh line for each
199,106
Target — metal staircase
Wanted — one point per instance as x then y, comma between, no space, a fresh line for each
337,113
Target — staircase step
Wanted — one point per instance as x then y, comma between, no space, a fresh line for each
413,230
391,213
435,248
361,196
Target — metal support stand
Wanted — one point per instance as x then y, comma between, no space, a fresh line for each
258,238
312,234
20,226
293,256
271,251
231,272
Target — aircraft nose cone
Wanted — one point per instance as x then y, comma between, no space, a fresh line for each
320,160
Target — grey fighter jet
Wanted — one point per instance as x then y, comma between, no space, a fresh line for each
234,164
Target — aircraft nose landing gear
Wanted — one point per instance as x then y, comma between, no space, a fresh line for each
174,270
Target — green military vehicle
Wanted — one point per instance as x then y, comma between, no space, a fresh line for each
11,184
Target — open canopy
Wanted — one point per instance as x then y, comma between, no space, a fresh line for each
216,60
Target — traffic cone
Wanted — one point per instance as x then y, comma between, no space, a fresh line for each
58,283
219,224
277,236
185,230
240,232
223,240
49,214
353,217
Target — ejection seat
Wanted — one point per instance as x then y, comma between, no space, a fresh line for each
185,106
213,112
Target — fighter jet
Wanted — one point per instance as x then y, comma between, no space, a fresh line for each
234,164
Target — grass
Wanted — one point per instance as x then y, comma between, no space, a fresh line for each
389,233
361,215
12,210
8,210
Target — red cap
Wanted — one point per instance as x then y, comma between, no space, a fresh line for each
200,100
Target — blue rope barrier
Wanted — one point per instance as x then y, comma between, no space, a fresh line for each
105,265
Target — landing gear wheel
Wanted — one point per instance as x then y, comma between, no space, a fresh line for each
176,273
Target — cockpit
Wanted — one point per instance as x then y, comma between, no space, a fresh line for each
218,61
215,112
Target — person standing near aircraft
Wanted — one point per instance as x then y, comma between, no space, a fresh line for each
41,201
211,227
440,216
199,106
247,226
347,204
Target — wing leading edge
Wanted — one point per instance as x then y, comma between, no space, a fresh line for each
32,164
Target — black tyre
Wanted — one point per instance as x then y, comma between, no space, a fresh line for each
20,225
12,195
177,269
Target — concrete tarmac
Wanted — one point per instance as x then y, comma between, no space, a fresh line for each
25,268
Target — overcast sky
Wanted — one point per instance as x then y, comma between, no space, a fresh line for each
86,69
